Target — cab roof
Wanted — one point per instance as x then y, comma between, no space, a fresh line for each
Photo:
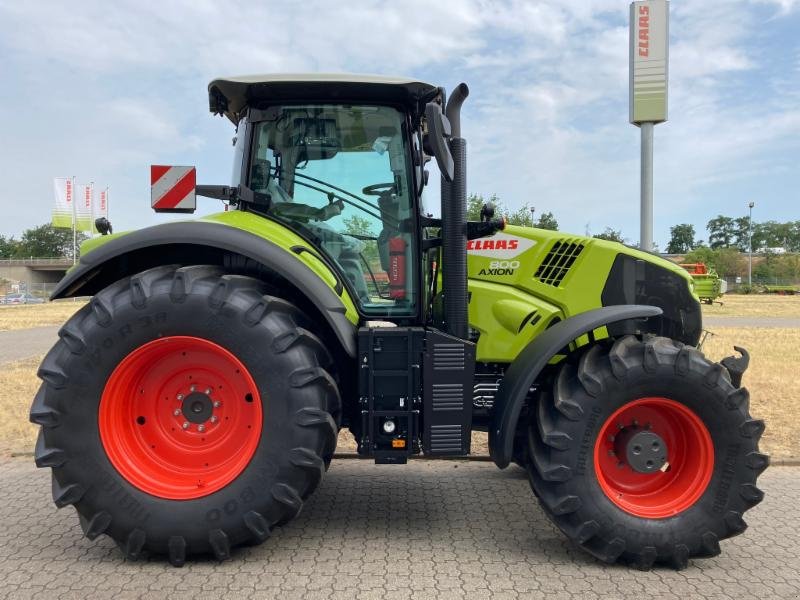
231,96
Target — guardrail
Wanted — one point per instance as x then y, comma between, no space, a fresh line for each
30,262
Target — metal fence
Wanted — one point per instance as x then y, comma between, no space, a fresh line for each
40,290
763,284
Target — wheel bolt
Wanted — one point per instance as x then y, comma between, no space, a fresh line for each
192,388
176,412
213,419
180,396
201,428
185,425
208,391
217,403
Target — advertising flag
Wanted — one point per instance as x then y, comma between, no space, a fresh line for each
100,208
64,199
83,209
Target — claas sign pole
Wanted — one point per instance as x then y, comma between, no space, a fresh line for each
649,60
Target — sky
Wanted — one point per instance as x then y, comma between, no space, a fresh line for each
101,90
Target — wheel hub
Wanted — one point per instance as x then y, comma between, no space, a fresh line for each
642,450
197,407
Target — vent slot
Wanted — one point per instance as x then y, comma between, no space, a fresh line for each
447,396
446,438
558,262
448,356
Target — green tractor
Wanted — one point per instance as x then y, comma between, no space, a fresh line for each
194,403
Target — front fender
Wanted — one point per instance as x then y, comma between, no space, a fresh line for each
527,366
199,242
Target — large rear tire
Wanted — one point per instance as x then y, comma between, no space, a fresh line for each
184,411
588,440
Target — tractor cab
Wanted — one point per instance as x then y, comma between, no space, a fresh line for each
338,160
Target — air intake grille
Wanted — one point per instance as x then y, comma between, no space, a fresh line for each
558,261
447,396
446,439
448,356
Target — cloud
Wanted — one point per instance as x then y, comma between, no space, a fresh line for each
102,89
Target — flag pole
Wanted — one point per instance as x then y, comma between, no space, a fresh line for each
91,209
74,232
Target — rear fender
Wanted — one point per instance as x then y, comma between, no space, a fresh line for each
198,242
527,366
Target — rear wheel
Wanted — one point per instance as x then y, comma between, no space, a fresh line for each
183,411
645,452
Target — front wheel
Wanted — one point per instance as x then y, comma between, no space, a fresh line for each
645,452
184,411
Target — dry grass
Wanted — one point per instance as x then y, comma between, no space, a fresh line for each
18,384
754,305
26,316
774,395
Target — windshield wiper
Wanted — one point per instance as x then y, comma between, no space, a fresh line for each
383,216
338,189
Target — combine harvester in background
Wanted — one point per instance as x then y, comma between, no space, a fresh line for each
708,286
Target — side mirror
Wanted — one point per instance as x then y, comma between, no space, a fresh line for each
435,140
487,212
103,226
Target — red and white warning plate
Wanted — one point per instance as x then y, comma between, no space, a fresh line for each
172,188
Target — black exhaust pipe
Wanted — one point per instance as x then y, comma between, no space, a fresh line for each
454,223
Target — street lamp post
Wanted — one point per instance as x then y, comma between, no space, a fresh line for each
750,244
533,210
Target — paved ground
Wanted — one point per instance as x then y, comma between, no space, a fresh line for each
431,529
770,322
24,343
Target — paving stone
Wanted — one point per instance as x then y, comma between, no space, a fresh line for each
430,529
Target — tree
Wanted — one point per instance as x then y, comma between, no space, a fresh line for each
46,241
741,233
8,246
547,221
681,239
358,226
721,232
523,217
475,203
727,262
612,235
361,227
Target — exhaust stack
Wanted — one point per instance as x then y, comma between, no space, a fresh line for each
454,223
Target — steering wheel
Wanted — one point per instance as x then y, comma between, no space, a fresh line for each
378,189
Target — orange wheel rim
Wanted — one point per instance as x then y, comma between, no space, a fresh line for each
683,478
180,417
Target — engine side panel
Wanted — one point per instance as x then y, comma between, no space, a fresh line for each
523,273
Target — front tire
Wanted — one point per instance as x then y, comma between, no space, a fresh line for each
588,465
184,411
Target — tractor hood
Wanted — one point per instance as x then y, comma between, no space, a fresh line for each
231,96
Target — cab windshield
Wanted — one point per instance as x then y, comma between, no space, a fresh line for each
339,175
